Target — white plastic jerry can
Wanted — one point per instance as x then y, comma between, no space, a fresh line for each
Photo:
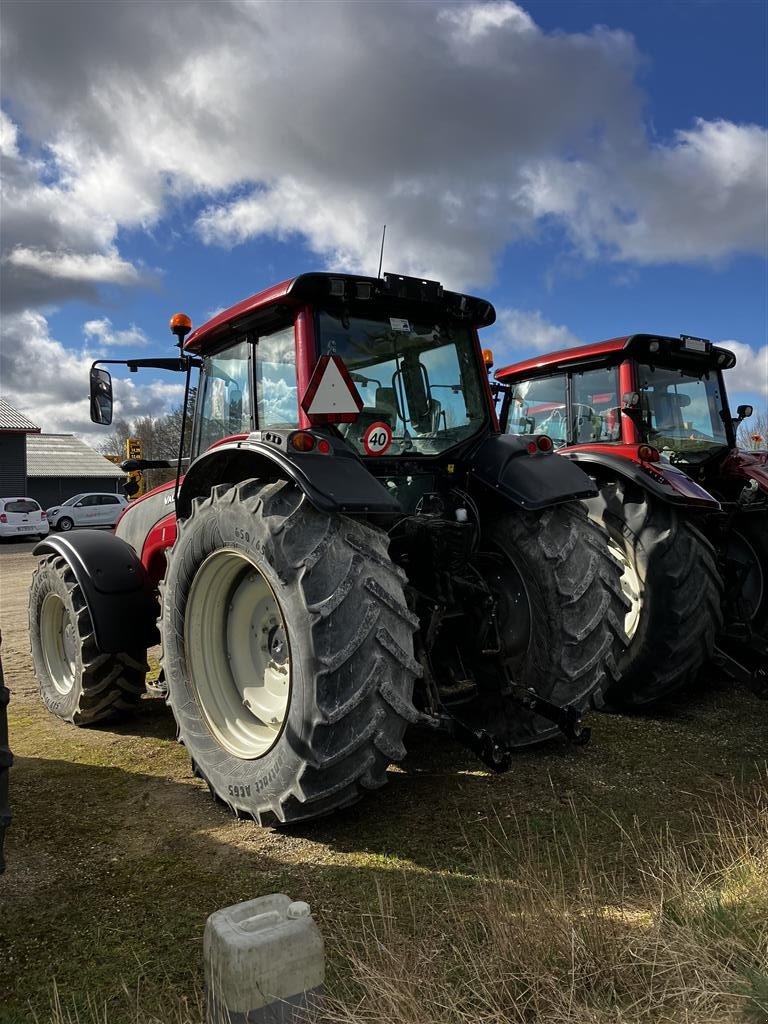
264,962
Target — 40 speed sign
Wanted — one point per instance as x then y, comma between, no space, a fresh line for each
377,438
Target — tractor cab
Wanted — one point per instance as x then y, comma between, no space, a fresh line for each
666,394
648,418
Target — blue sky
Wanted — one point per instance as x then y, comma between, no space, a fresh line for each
593,168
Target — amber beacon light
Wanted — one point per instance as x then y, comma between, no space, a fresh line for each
180,325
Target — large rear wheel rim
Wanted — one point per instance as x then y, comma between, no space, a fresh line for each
745,564
59,643
238,656
630,587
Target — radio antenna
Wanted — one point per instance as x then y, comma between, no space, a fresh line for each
381,254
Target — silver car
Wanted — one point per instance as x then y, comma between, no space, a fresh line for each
87,510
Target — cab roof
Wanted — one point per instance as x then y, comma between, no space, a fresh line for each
267,309
615,349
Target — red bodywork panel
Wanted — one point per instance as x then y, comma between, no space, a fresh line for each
667,476
535,366
159,539
220,325
745,466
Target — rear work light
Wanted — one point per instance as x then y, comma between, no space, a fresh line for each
647,453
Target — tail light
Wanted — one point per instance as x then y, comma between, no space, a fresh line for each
302,441
540,444
3,517
646,453
43,515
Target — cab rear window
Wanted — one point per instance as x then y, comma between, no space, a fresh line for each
22,505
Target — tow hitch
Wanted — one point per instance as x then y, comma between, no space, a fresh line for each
491,749
744,659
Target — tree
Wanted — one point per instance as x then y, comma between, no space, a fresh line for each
159,436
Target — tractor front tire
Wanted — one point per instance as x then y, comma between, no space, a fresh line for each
287,650
575,608
78,682
677,596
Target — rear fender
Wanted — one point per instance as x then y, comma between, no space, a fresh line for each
335,483
115,587
743,467
502,465
659,479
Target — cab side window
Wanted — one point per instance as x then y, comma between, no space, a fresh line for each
277,399
595,406
226,395
539,407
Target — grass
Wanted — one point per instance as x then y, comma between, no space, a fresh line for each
680,934
623,882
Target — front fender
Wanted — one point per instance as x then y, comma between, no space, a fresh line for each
660,479
336,483
115,587
502,465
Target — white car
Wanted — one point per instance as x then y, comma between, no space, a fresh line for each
21,517
87,510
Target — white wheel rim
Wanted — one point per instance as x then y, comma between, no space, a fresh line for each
238,657
58,635
630,587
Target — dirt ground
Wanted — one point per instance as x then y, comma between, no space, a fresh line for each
117,855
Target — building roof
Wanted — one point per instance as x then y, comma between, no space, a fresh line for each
14,421
66,455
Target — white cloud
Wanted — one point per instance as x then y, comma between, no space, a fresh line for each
462,127
698,200
92,267
518,331
750,374
101,332
49,382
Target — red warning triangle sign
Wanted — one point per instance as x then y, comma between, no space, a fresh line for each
331,395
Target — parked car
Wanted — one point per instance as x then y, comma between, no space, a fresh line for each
87,510
22,516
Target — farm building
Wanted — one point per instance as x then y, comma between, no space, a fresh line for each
14,430
49,467
60,465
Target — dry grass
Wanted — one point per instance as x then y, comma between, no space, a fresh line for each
678,934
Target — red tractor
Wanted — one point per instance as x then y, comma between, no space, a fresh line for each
354,547
647,418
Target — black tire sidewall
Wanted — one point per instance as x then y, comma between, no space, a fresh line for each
753,529
241,782
48,581
61,527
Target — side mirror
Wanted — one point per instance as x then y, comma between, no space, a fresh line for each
743,413
101,396
630,400
413,378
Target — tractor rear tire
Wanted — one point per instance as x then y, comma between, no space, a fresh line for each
265,596
679,595
78,682
746,556
576,611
